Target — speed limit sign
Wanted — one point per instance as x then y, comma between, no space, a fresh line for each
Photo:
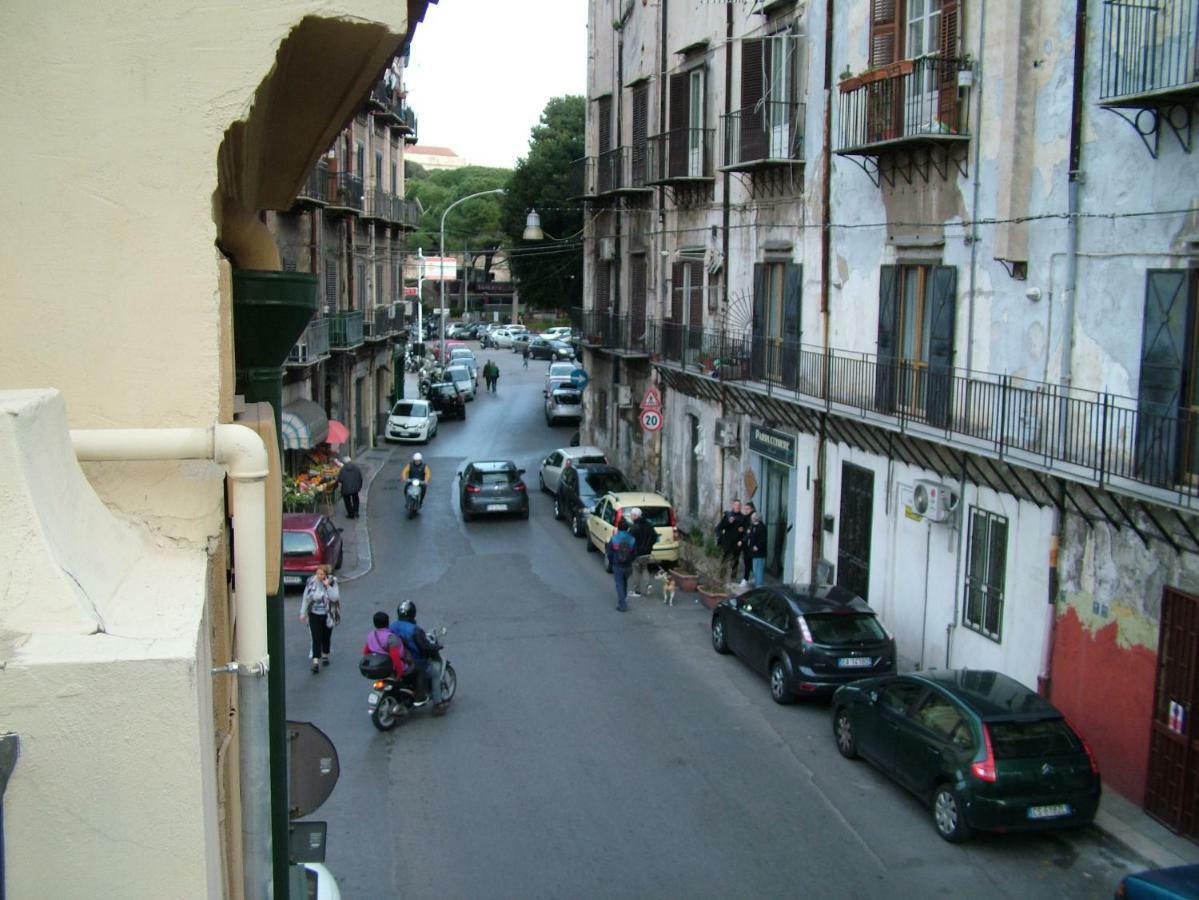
651,419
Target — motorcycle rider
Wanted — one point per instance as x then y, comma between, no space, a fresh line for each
416,468
421,649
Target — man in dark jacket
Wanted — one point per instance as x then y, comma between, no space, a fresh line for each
644,535
729,532
747,512
349,480
755,547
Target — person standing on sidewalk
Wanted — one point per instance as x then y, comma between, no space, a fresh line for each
729,531
321,609
525,354
349,480
621,550
644,536
755,547
747,512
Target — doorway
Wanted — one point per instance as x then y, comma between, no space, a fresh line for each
362,437
776,488
856,518
693,464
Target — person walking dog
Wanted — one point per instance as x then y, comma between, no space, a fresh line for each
644,536
321,609
621,550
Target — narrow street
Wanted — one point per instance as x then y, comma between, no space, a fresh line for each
591,754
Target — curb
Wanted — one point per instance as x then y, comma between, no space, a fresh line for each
362,532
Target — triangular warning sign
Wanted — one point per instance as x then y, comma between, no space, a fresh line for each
652,399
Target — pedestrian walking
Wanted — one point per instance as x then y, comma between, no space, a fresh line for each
525,354
349,480
321,609
747,511
621,551
644,537
729,531
755,542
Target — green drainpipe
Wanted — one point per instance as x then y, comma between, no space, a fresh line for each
270,312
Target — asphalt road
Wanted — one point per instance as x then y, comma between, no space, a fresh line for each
590,753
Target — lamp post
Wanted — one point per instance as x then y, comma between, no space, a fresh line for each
441,253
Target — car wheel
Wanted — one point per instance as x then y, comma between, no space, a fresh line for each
577,529
778,683
847,744
947,815
557,510
720,642
524,513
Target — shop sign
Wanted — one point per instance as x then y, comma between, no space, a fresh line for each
772,444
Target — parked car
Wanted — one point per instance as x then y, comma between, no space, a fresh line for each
556,382
655,509
309,540
460,375
1174,883
411,420
807,640
984,751
552,465
492,486
564,403
447,400
460,356
560,369
457,329
435,347
503,337
579,487
521,341
540,348
557,333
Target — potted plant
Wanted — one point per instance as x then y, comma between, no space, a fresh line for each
709,596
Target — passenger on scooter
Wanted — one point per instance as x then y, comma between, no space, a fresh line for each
417,469
421,648
383,640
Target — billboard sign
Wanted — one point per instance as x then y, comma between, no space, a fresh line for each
440,268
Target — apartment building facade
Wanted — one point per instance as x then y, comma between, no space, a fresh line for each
929,301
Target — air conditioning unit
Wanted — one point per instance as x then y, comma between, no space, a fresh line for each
607,248
624,395
934,501
728,434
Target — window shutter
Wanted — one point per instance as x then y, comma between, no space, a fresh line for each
885,16
753,121
1163,364
758,349
331,284
676,291
640,126
603,287
680,108
942,320
888,322
792,323
604,113
947,88
695,299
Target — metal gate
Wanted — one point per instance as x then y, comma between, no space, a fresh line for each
1173,785
857,518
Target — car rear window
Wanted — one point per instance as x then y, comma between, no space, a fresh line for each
605,482
571,397
1025,740
494,477
590,459
658,516
844,629
458,373
298,543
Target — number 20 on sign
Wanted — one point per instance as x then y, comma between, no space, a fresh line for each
651,420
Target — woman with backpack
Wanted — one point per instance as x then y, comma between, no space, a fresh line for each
621,550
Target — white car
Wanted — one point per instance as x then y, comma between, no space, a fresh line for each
557,333
552,465
463,380
503,337
411,420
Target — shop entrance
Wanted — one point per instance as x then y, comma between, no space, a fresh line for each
775,491
857,516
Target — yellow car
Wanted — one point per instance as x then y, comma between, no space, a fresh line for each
611,509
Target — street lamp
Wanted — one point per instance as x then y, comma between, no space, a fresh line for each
441,253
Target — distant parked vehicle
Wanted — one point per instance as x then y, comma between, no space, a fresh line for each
411,420
563,404
580,487
309,540
521,341
460,375
562,458
447,400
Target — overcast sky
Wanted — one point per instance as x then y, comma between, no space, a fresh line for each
482,71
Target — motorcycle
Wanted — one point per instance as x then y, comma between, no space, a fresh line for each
391,699
412,500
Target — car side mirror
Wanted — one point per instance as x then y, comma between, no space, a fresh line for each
872,696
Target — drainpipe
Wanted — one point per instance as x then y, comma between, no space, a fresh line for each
244,457
728,111
1072,190
975,188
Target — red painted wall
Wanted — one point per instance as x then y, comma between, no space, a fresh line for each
1107,692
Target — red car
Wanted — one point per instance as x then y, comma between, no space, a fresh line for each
309,540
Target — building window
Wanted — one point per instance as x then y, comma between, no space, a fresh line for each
986,563
777,329
916,323
379,295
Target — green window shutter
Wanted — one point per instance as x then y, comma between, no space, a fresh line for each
942,318
758,349
753,121
792,323
1163,364
888,326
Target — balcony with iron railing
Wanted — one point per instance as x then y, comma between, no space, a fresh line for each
376,322
623,170
315,189
379,204
344,194
906,104
406,213
770,134
385,103
581,183
313,345
1149,53
680,155
345,330
625,335
406,124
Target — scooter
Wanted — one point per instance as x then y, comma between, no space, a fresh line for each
412,500
391,699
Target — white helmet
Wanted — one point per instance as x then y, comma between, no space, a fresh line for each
416,457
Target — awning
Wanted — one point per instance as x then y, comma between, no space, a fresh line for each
305,425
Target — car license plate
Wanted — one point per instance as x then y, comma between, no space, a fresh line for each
373,699
293,579
1055,811
855,662
496,507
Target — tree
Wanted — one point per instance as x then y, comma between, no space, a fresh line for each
549,273
475,225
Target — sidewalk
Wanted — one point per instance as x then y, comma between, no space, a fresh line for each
355,535
1127,823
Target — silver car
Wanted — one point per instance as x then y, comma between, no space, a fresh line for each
563,403
460,375
552,465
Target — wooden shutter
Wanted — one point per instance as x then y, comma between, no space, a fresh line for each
942,319
331,284
888,326
637,300
640,126
792,323
680,110
695,297
947,81
886,35
604,112
603,287
753,119
1163,367
672,346
758,349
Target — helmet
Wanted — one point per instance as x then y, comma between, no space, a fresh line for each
416,457
406,610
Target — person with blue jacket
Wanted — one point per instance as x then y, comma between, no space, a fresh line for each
422,650
621,551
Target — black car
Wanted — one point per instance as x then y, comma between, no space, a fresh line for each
807,639
447,400
492,486
579,487
540,348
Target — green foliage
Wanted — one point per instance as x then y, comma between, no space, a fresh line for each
476,225
549,272
414,172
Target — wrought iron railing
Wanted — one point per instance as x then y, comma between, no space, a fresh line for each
623,168
316,185
345,329
345,190
379,204
376,322
386,103
395,317
1105,438
629,333
680,154
910,99
1148,46
772,131
407,124
313,345
407,213
582,181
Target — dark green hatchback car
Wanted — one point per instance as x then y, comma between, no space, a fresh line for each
980,748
